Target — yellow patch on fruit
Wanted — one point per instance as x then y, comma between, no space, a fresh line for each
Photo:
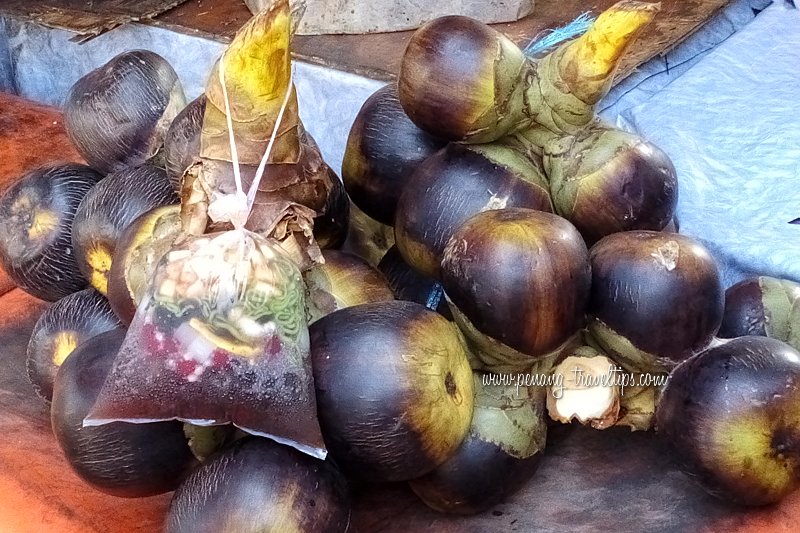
285,510
99,260
43,223
744,444
442,399
63,345
232,347
25,201
279,511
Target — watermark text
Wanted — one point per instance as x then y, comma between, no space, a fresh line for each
575,378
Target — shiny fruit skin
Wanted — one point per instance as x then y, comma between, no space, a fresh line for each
520,276
394,389
36,219
480,476
109,209
460,80
343,280
182,141
744,311
764,306
502,452
256,486
127,460
731,419
67,323
137,252
451,186
408,284
383,149
117,114
659,291
605,180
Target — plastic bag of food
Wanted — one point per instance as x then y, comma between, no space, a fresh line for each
221,337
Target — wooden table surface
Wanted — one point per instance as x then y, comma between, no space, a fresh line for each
589,480
378,55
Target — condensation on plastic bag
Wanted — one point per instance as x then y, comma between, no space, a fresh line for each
221,337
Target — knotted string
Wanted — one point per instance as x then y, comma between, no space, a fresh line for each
237,207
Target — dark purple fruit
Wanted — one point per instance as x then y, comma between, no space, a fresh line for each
606,180
764,306
460,80
656,298
117,115
257,485
730,417
128,460
182,141
520,277
500,454
60,329
36,218
408,284
383,150
394,389
109,209
343,280
456,183
331,225
136,254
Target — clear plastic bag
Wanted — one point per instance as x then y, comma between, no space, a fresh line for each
220,338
